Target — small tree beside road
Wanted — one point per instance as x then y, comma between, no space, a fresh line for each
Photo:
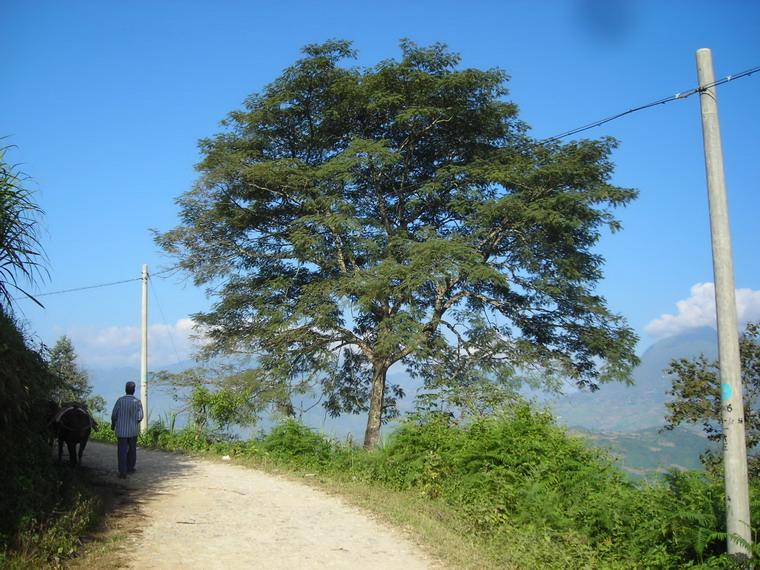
72,382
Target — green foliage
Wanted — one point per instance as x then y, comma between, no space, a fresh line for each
223,396
696,392
44,508
191,438
72,382
520,471
294,443
20,250
24,388
352,218
103,432
51,541
224,407
519,467
526,492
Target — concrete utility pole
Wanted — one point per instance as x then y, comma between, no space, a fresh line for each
734,444
144,351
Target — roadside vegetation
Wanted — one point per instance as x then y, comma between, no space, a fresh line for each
45,508
512,490
505,487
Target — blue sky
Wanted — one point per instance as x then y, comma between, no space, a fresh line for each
105,102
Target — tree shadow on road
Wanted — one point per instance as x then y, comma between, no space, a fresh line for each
122,500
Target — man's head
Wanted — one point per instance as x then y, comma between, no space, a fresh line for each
130,388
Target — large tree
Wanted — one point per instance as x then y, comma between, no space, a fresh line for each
349,219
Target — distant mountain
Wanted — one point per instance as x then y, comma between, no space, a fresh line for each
616,407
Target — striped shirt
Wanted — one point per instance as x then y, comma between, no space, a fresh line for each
126,416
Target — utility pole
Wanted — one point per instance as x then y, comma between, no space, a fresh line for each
732,405
144,351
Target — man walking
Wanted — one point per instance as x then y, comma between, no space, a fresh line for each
125,421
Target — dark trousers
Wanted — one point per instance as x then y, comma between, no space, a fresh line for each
127,451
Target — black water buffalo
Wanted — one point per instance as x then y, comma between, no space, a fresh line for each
71,424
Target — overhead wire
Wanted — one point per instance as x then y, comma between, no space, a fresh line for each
676,97
97,286
113,283
75,289
163,316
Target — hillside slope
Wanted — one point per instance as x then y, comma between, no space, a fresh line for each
620,408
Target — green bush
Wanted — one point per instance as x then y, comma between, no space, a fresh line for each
44,510
295,444
103,431
533,495
521,471
51,540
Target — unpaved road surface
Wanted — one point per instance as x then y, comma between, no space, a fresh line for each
199,514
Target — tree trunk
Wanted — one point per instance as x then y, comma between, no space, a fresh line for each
372,435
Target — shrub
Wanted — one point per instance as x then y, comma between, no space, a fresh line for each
533,495
520,473
295,444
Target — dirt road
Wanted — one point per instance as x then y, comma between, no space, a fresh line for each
199,514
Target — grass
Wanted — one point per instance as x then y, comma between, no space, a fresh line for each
430,524
106,550
105,546
49,539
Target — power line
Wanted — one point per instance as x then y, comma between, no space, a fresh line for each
168,270
86,287
677,96
82,288
163,316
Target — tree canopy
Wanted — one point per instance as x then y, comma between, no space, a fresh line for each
348,219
